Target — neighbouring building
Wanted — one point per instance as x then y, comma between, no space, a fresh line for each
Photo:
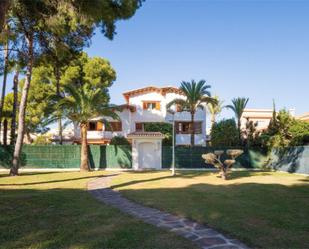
261,117
142,106
304,117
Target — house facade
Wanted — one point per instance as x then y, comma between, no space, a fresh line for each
147,105
261,117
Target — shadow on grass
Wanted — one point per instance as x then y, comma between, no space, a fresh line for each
52,181
261,215
72,218
184,175
6,174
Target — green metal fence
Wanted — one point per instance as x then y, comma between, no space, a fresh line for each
292,159
191,157
68,156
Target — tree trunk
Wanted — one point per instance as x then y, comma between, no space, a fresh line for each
28,137
213,119
223,173
192,129
5,131
57,73
239,131
22,109
15,104
4,5
5,73
84,164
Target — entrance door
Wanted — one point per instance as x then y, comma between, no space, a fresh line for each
146,154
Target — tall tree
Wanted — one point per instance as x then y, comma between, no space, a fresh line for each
39,104
238,106
214,109
196,96
80,105
37,21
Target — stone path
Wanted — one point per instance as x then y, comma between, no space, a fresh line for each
202,235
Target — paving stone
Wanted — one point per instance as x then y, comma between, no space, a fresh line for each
224,247
207,233
211,241
203,235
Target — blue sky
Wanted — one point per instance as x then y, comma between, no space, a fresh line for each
256,49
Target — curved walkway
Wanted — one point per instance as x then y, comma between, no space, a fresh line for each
202,235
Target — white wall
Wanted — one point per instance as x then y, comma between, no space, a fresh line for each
185,139
130,118
156,153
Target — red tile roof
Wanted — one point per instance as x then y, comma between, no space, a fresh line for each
162,90
145,134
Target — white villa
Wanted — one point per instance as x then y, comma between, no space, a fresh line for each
145,105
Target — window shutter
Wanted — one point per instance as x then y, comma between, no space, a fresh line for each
99,126
158,107
138,127
197,127
119,126
144,105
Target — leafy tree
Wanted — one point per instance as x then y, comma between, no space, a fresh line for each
284,130
39,104
33,22
165,128
42,140
238,106
196,96
96,72
251,135
299,131
80,105
224,133
37,23
119,140
214,109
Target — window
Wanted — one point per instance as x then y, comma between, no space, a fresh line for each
92,126
114,126
151,105
139,127
178,108
95,126
185,127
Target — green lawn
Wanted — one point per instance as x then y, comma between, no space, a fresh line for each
54,210
263,209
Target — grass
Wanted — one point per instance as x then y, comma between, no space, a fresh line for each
54,210
263,209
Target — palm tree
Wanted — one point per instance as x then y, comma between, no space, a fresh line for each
238,106
80,105
197,95
214,109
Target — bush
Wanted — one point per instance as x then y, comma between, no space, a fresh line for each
165,128
42,140
284,131
119,140
225,133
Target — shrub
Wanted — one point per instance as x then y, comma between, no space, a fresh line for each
119,140
284,131
165,128
225,133
42,140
